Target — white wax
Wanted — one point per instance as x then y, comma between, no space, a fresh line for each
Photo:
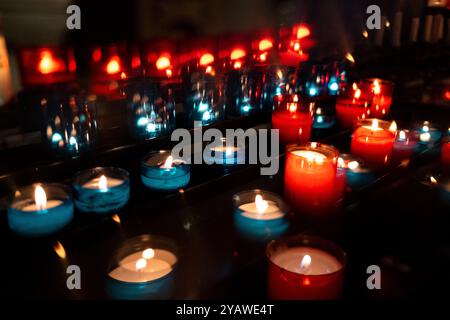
157,267
321,262
110,183
50,204
251,211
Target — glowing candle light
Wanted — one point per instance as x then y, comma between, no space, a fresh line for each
143,268
373,142
260,215
305,267
101,190
40,210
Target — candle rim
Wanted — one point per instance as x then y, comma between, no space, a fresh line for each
177,162
331,153
96,172
63,194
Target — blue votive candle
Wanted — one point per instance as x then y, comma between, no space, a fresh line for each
322,120
427,136
260,215
225,154
101,190
143,268
352,171
40,210
160,171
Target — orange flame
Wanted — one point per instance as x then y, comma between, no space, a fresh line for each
162,63
59,250
237,54
206,59
265,44
113,65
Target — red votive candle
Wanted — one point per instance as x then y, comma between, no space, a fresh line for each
349,111
305,268
293,119
373,142
380,94
403,149
310,177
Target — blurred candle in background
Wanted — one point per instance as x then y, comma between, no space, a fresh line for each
294,120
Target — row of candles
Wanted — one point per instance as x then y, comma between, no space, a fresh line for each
300,267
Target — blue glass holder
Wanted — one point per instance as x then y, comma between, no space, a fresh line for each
28,216
357,175
98,195
156,176
259,226
156,280
225,155
427,137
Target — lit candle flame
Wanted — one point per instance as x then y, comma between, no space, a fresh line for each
402,135
237,54
116,218
365,34
103,183
113,65
265,44
261,205
168,163
46,64
141,264
433,180
350,58
352,165
305,264
148,254
303,32
162,63
292,107
40,198
393,127
357,94
59,250
206,59
376,87
374,124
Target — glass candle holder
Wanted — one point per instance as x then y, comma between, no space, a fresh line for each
324,115
70,122
305,267
151,108
353,173
294,120
349,111
143,267
310,177
379,92
260,215
47,65
427,135
373,141
439,181
205,103
101,190
404,146
248,91
40,210
161,172
226,153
